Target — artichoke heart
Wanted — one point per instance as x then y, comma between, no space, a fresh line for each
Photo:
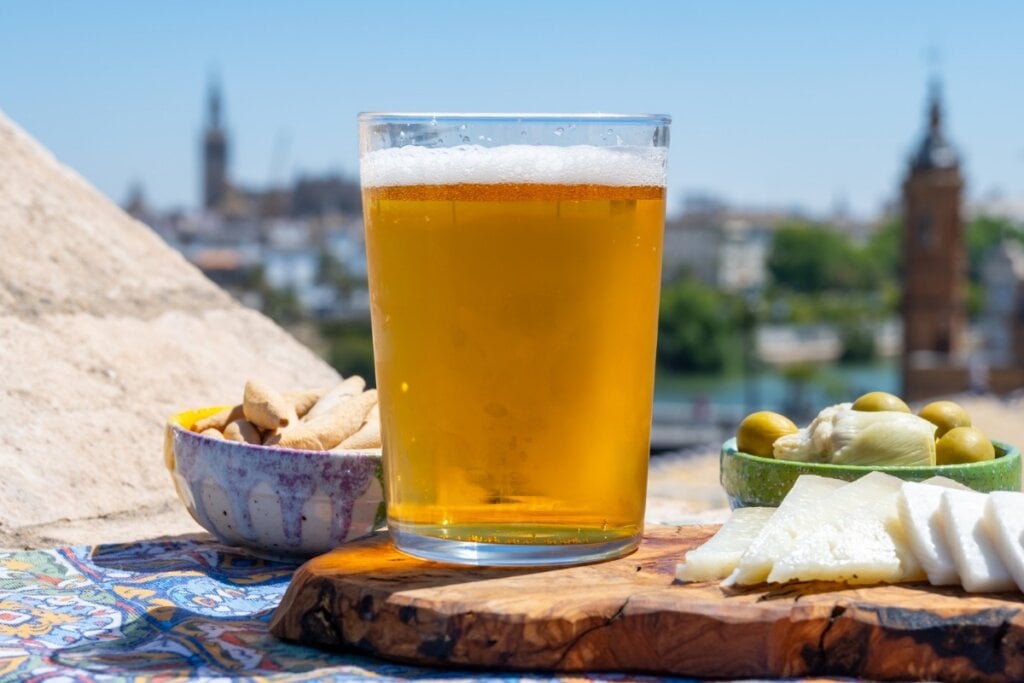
797,446
813,443
882,438
844,436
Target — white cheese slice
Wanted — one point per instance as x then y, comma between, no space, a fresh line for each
720,554
919,512
946,482
856,537
1004,519
979,566
799,510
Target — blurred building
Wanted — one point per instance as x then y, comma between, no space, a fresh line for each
304,239
1003,321
309,196
720,246
215,153
934,307
939,355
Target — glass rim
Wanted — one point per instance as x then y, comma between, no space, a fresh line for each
498,117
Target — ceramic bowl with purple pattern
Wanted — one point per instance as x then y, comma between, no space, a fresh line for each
278,502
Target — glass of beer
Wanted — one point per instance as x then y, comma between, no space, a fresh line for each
514,270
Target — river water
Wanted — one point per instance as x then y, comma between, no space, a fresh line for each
726,399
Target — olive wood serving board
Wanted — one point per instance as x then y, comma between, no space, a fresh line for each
631,615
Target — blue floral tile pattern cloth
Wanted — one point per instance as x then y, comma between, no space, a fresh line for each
166,610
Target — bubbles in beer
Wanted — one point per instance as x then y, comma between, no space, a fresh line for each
522,164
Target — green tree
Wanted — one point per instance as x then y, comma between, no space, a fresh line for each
983,234
349,348
812,258
858,340
799,378
330,271
884,252
822,276
694,327
280,305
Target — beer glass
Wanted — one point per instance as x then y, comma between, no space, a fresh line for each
514,271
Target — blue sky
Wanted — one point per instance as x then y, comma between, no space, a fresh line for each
774,104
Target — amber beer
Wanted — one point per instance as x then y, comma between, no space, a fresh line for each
514,331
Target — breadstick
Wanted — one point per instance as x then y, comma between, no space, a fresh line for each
242,430
219,420
302,401
368,435
327,430
266,408
339,393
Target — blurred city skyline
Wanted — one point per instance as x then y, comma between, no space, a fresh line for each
797,104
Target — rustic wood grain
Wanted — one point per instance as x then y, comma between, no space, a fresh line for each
630,615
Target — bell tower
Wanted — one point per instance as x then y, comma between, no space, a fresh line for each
215,152
934,256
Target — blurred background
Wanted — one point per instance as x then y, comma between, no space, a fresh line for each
845,184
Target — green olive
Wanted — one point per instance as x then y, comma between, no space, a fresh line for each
875,401
963,445
758,431
945,415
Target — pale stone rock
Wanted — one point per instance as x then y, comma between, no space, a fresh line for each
105,331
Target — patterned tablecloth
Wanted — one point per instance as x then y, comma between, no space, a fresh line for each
166,610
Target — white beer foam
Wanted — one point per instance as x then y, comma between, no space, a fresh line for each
536,164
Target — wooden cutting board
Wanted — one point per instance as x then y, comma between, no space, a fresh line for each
630,615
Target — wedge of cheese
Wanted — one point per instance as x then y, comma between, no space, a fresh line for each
1004,519
720,554
798,512
918,505
977,562
856,537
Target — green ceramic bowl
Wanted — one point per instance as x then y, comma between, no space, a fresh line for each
750,480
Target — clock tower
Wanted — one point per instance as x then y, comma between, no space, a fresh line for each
934,258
